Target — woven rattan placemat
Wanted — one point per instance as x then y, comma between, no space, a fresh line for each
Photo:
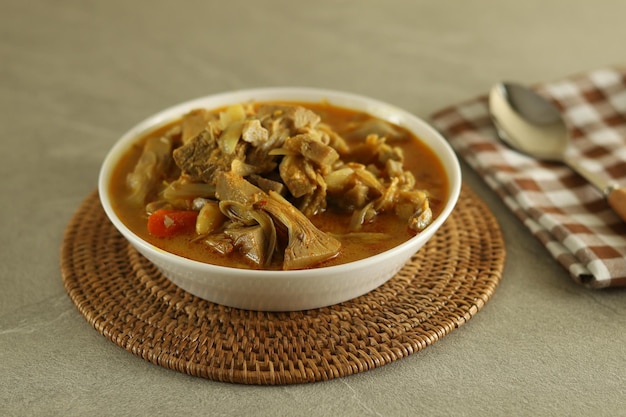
126,299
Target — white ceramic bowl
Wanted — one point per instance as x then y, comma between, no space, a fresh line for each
285,290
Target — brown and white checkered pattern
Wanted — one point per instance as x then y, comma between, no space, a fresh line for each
568,215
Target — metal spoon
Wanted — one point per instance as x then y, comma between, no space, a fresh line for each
531,124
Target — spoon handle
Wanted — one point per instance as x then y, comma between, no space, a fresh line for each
615,195
617,200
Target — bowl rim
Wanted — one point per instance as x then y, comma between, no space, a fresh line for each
376,107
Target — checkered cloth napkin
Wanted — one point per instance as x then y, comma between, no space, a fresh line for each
570,217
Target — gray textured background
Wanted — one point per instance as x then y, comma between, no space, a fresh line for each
75,75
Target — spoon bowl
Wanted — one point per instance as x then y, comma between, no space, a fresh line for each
529,123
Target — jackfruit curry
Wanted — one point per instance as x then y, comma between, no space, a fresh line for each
278,186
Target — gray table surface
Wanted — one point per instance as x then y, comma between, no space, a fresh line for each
75,75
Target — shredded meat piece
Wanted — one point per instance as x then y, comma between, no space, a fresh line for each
296,117
254,133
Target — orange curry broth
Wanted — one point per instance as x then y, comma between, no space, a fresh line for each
418,158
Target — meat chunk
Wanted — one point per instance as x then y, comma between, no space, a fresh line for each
298,175
313,150
201,158
302,118
283,121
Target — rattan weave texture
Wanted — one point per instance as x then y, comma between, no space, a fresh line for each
126,299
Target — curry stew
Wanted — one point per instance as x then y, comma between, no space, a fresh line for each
278,186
